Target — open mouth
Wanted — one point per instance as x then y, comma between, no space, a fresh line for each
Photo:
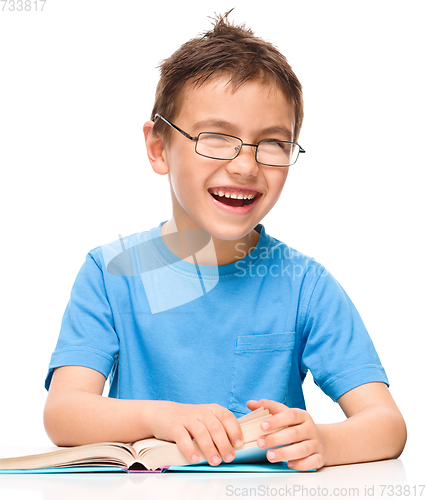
234,199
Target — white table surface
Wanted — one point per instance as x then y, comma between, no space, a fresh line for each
385,479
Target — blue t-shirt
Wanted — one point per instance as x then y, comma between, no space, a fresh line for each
163,328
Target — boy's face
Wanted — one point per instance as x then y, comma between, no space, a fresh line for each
253,112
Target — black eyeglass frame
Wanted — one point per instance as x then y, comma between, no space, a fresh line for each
188,136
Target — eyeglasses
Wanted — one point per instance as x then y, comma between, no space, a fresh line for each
227,147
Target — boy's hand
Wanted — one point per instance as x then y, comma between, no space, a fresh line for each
214,428
305,447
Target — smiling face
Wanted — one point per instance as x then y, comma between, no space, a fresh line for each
226,198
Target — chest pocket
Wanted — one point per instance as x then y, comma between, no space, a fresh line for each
262,365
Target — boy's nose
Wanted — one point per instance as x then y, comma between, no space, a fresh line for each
245,162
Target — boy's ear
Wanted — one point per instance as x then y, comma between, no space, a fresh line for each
155,149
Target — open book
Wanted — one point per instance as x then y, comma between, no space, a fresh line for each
147,455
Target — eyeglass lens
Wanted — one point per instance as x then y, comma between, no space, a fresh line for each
223,147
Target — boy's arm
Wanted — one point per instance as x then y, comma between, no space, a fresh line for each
374,430
76,413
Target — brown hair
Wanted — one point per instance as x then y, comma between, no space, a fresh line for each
226,49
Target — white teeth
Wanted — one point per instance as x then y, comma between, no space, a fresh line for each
235,196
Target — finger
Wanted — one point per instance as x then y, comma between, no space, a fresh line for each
230,424
292,452
186,444
212,440
220,432
253,405
287,417
315,461
272,406
286,436
199,431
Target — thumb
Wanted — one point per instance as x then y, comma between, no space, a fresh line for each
272,406
253,405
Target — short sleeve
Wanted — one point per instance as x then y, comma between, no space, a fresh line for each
87,337
335,344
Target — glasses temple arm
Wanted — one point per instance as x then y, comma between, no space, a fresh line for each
188,136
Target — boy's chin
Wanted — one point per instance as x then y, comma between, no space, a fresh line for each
233,234
198,227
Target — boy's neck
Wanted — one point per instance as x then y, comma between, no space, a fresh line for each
216,253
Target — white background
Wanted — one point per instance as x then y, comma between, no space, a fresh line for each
77,83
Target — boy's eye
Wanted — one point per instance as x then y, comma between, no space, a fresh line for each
214,138
278,146
275,141
217,145
275,152
217,142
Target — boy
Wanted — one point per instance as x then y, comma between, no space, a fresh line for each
206,317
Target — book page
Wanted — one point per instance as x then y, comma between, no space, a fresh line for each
148,443
22,451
